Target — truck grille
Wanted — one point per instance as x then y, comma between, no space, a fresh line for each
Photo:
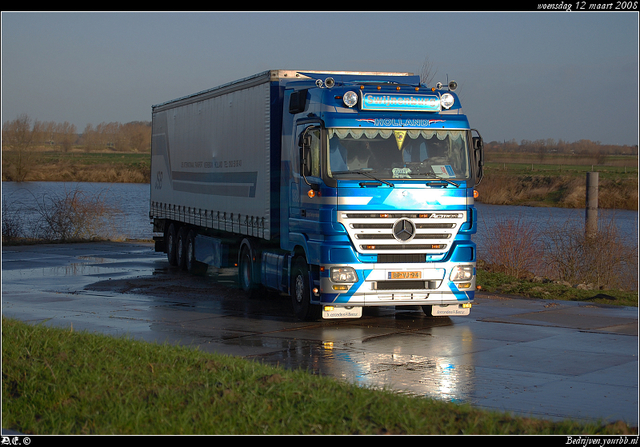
386,258
428,232
406,285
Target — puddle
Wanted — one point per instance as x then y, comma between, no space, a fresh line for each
92,259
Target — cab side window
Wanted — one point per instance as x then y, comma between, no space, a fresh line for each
315,152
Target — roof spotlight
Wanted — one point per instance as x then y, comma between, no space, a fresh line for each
350,98
447,100
453,85
329,82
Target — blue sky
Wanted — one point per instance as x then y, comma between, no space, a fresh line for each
521,75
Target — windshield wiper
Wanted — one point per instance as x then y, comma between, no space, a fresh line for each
366,174
451,182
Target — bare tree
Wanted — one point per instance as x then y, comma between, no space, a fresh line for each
136,136
17,140
90,138
427,73
67,134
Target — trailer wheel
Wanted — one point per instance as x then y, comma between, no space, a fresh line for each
170,244
194,267
301,292
181,248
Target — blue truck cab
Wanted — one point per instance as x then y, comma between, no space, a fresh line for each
378,177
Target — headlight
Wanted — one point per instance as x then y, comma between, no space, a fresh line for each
350,98
446,101
343,274
461,273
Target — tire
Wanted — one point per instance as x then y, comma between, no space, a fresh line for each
301,292
194,267
170,240
246,273
181,248
245,269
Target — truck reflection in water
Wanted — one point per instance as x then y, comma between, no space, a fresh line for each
433,358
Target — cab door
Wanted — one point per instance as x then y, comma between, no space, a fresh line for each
306,167
312,202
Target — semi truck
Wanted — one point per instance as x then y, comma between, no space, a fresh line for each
343,190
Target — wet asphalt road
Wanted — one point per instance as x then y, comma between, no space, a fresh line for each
547,359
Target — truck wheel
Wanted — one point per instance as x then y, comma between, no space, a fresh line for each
181,248
246,272
170,244
301,292
194,267
427,311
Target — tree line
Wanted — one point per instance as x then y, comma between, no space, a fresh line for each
25,134
550,146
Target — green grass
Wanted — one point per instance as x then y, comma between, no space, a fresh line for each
131,159
521,169
496,282
618,167
60,381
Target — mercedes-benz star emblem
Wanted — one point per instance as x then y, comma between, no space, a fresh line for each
404,230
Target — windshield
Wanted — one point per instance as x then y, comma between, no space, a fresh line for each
398,154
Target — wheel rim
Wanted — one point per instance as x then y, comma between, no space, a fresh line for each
171,245
189,254
299,288
245,270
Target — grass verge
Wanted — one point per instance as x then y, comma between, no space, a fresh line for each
58,381
498,282
111,167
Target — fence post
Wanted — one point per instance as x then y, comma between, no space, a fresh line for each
591,214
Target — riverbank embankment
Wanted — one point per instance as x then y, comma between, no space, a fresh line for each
509,183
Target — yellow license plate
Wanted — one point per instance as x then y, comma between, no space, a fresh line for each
405,275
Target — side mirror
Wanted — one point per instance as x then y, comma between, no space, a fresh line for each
305,157
478,156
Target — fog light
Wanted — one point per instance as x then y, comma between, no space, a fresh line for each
464,285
